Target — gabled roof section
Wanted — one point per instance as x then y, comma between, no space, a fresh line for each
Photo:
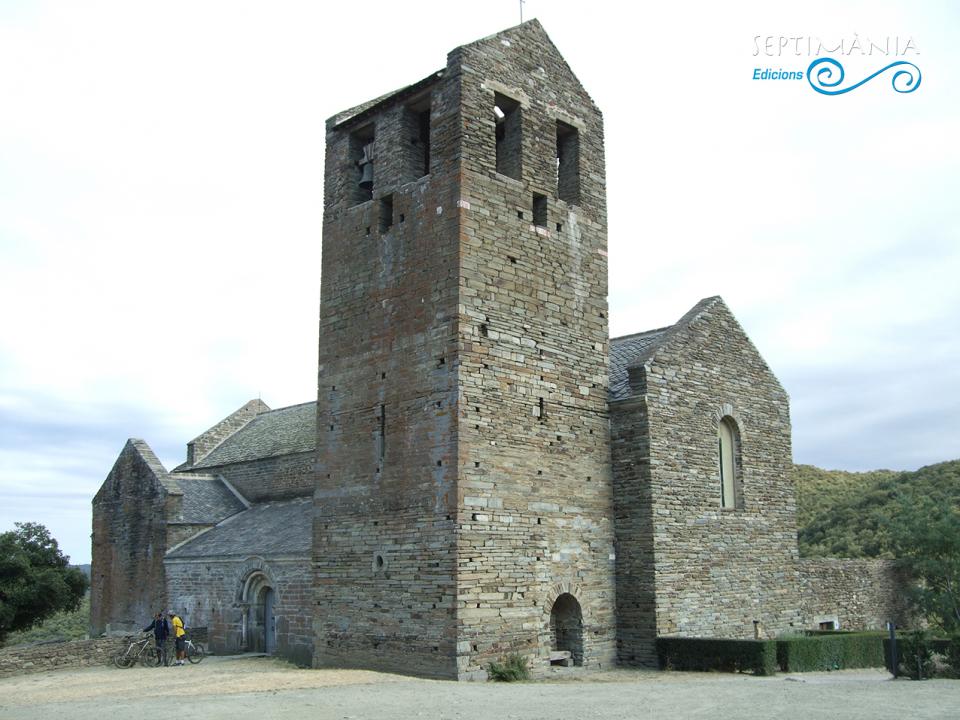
206,500
531,32
628,351
138,456
269,529
146,454
200,446
284,431
636,351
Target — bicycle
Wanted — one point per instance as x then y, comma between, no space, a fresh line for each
142,651
195,651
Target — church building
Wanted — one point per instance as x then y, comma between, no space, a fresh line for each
484,470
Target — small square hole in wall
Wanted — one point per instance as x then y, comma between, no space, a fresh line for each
439,463
402,217
559,227
476,464
512,259
383,376
368,231
520,214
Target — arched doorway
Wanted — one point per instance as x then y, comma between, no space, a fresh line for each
566,627
258,598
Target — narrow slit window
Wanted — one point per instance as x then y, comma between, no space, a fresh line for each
539,210
382,438
386,213
568,163
728,441
423,136
416,140
506,113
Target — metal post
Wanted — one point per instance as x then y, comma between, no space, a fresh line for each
893,648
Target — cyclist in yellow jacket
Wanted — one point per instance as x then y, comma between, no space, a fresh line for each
179,634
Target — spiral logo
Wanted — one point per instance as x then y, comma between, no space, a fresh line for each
820,75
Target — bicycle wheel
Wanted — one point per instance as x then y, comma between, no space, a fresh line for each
123,660
149,657
195,652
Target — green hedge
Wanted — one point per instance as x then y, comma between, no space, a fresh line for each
706,654
840,651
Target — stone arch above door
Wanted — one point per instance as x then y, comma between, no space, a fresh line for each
255,595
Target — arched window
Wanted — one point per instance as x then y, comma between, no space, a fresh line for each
729,452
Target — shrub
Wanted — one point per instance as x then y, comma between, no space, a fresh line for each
513,668
951,655
840,651
916,655
706,654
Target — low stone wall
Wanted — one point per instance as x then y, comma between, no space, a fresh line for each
856,594
40,657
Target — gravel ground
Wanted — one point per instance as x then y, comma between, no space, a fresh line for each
263,688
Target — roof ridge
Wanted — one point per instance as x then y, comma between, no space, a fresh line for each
641,334
287,407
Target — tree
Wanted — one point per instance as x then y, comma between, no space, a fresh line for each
36,580
926,537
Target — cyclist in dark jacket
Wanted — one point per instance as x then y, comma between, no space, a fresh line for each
161,631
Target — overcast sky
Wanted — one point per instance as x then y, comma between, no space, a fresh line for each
161,174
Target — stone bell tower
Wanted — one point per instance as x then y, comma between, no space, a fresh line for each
463,502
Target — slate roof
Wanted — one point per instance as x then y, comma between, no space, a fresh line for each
358,112
278,432
268,529
206,500
631,350
637,349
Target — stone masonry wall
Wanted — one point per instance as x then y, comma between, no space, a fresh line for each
272,478
383,557
129,541
41,657
633,505
718,570
209,593
858,594
535,520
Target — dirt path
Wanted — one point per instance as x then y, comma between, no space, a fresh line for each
240,688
